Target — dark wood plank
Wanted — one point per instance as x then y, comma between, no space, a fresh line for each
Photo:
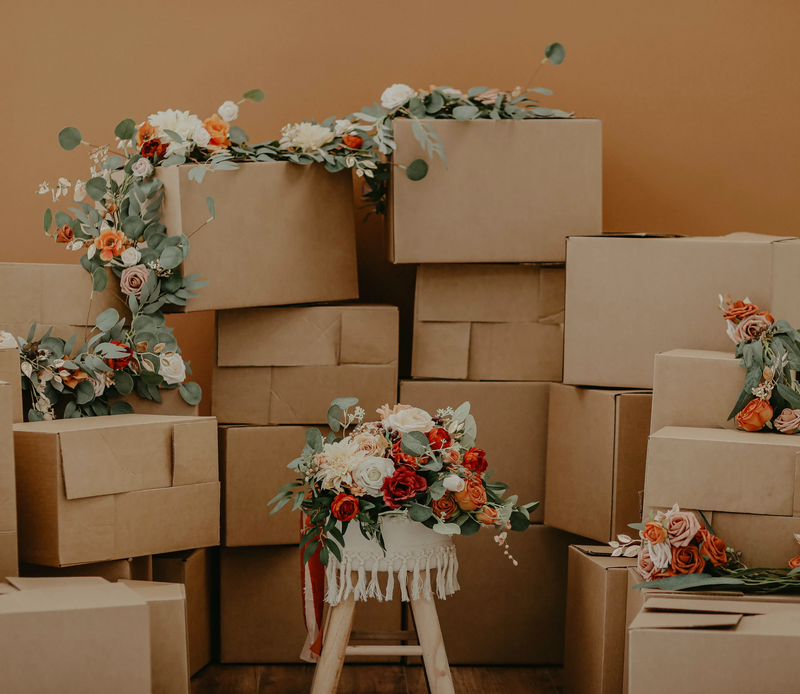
226,679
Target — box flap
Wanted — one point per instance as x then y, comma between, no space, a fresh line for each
741,607
684,620
194,451
155,591
28,583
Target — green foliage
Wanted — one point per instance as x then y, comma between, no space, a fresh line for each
555,53
254,95
48,220
125,129
96,188
191,393
99,279
417,170
69,138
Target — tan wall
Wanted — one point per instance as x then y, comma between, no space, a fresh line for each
698,98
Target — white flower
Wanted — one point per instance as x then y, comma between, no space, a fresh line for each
453,483
342,127
661,554
142,168
308,137
228,111
172,368
412,419
181,122
79,192
44,188
130,256
370,473
337,462
395,96
201,137
453,92
7,340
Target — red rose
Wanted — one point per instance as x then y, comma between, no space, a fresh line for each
404,458
403,485
439,438
475,460
153,148
353,141
344,507
120,362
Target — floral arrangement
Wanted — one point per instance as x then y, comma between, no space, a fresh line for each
676,551
769,350
408,461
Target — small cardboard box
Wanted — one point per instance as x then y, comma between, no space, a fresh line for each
511,193
695,388
488,322
113,487
283,234
285,365
261,607
11,376
747,481
512,427
596,454
700,645
630,297
8,490
73,634
594,650
135,569
192,568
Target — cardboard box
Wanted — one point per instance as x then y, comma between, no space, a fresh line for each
8,491
748,481
488,322
596,454
11,376
512,191
104,488
630,297
286,365
73,634
261,607
696,645
193,568
171,404
594,650
135,569
527,602
512,427
283,234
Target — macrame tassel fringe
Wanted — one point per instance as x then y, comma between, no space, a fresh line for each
402,579
390,582
360,591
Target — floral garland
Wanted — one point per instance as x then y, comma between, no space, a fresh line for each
407,461
770,351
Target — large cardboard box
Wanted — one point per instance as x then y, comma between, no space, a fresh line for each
73,635
512,191
285,365
104,488
488,322
679,644
594,650
596,454
747,481
695,388
630,297
134,569
261,618
8,490
192,568
10,375
512,427
283,234
171,404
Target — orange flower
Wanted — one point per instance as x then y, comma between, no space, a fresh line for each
439,438
218,129
487,515
687,560
64,234
472,496
74,378
754,416
147,142
712,547
654,532
794,563
404,458
769,316
740,310
353,141
444,507
110,244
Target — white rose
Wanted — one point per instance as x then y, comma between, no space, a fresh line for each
412,419
396,95
228,111
307,137
142,168
453,483
130,256
201,137
342,127
370,473
661,554
7,340
172,368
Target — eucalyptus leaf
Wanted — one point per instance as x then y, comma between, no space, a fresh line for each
69,138
99,279
314,439
171,257
123,382
417,170
334,418
48,220
212,208
125,129
191,393
555,53
121,407
254,95
84,392
345,403
107,319
96,188
466,112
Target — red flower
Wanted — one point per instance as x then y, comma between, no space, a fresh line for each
120,362
403,485
404,458
344,507
353,141
439,438
475,460
152,149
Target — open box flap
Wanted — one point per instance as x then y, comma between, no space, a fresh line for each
684,620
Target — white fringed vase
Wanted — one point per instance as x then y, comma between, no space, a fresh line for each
413,553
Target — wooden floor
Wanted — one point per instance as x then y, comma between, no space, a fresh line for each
373,679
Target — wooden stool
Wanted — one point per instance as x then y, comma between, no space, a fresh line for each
336,648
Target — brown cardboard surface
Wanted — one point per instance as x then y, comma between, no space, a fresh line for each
763,540
8,490
513,191
135,569
300,248
94,500
499,409
171,404
629,298
193,569
261,607
95,637
594,648
695,388
596,454
10,375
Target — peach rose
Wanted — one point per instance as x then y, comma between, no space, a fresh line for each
644,563
444,507
370,445
788,421
384,410
451,455
218,129
110,244
64,234
687,560
133,279
752,327
472,496
740,310
794,563
654,532
487,515
712,547
682,526
754,416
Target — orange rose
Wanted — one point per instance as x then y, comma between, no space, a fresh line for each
218,129
712,547
402,458
344,507
654,532
687,560
740,310
487,515
444,507
472,496
794,563
64,234
353,141
754,416
439,438
110,244
74,378
147,142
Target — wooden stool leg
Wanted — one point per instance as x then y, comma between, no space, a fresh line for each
335,640
434,654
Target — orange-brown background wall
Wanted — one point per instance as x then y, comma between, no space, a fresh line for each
699,98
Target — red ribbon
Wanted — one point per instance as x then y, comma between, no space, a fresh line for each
312,577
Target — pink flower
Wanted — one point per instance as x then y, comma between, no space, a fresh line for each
385,411
133,279
644,563
681,526
488,97
660,554
751,327
788,421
